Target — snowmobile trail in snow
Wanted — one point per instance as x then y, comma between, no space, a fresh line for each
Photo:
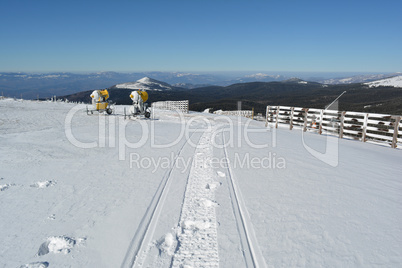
251,250
139,246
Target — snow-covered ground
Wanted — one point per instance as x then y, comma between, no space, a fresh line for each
101,191
395,81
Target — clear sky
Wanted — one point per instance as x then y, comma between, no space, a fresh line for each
201,35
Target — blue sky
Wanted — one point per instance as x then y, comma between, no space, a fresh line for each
328,36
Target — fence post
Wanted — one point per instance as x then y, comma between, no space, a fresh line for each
277,117
266,116
396,130
364,128
292,110
321,118
305,119
342,119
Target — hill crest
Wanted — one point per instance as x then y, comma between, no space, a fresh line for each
146,83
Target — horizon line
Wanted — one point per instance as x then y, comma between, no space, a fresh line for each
195,72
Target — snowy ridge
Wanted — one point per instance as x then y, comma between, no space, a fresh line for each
197,235
395,81
147,84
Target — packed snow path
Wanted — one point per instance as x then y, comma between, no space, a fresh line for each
198,239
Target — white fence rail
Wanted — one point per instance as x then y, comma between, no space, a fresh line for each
172,105
381,128
244,113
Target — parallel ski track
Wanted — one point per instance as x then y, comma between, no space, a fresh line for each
251,249
137,250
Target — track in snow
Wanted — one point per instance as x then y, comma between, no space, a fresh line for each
138,249
197,232
250,247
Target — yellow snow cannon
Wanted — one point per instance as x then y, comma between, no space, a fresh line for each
139,107
100,102
142,93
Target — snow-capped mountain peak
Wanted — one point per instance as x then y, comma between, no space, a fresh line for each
147,84
395,81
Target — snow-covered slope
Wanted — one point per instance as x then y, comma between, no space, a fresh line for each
357,79
101,191
147,84
395,81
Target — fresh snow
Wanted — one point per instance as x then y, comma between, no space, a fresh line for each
163,204
4,187
36,265
43,184
395,81
221,174
59,244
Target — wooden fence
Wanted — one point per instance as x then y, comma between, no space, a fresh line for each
381,128
172,105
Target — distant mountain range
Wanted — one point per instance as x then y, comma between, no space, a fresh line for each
33,85
360,97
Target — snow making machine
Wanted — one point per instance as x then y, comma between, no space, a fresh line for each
100,102
140,106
